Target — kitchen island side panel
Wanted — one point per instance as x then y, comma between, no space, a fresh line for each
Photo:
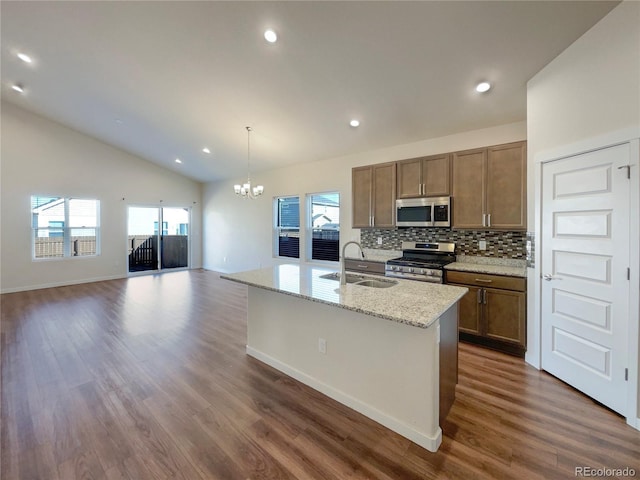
388,371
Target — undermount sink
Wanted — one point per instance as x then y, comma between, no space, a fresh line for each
377,283
362,280
351,277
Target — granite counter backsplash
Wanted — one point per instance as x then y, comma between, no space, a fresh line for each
499,244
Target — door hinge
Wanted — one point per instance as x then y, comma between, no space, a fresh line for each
626,374
628,273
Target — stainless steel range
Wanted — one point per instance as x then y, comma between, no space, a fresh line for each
421,261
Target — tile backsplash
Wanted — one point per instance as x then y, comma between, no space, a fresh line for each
499,244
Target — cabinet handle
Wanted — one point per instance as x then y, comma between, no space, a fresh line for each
488,220
479,295
481,280
363,266
373,221
484,296
484,219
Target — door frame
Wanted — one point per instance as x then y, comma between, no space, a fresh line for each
533,355
159,207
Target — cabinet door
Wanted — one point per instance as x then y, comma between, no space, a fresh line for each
470,311
469,173
435,176
410,178
506,186
505,315
384,195
361,188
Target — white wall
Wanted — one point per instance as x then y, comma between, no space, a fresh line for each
240,231
586,97
43,157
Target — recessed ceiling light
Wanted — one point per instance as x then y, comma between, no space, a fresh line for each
354,123
24,57
18,88
206,150
270,36
178,160
483,87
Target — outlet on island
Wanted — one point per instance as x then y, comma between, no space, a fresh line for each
482,244
322,345
379,240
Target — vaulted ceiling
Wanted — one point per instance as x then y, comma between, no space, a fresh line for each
163,80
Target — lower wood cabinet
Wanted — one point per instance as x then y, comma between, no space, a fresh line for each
493,312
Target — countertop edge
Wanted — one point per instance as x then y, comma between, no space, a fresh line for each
353,309
506,271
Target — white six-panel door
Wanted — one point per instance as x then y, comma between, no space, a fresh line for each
585,260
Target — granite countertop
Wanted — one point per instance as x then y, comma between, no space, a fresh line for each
373,255
495,266
418,304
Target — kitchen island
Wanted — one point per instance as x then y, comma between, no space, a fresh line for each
388,353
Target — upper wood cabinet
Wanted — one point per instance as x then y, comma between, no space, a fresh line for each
424,177
489,187
374,195
469,186
507,186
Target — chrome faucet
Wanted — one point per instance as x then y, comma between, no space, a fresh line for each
343,274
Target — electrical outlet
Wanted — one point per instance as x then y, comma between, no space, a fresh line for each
322,345
482,244
379,240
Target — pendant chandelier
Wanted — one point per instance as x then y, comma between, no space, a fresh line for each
246,190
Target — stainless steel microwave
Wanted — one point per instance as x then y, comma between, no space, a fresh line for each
423,212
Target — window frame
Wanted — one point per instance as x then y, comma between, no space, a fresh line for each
309,227
277,228
66,229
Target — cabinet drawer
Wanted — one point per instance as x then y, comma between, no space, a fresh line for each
486,280
364,266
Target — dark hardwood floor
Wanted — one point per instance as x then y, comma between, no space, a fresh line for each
147,378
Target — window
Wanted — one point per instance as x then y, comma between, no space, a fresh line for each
287,227
65,227
324,226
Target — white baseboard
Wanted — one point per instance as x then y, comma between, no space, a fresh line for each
431,443
61,284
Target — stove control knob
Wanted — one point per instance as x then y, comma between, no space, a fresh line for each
421,271
430,273
411,270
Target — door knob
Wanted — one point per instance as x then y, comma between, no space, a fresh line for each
548,277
